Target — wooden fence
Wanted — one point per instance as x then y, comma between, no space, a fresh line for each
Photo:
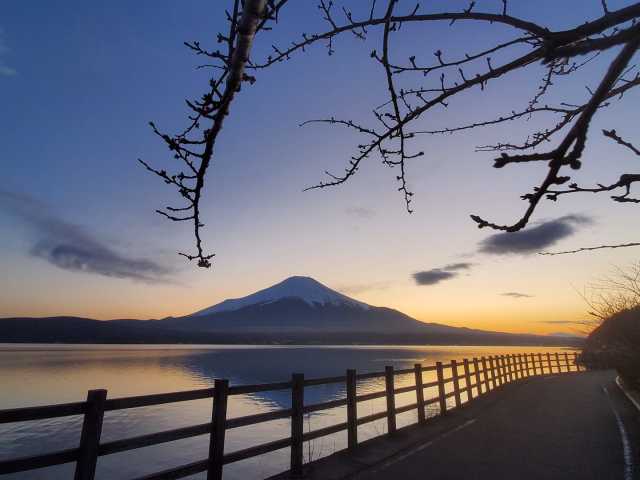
470,377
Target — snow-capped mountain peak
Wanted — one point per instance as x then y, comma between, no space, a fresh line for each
305,288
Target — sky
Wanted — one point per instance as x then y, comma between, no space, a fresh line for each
79,82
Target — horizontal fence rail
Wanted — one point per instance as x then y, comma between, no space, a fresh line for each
469,379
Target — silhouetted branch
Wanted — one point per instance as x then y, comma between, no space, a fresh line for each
244,21
613,135
588,249
429,86
568,153
555,49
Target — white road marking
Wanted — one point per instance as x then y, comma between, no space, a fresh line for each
626,445
413,451
631,399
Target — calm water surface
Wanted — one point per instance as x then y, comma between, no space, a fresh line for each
47,374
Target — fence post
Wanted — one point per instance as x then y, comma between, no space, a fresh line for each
549,362
391,399
218,429
419,392
523,366
511,367
456,383
297,423
575,361
501,370
90,436
467,379
566,359
476,370
533,363
441,394
540,363
558,362
517,367
495,379
494,371
485,372
527,367
505,374
352,410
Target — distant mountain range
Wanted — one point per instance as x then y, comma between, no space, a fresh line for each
296,310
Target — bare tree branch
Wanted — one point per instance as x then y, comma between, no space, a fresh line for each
588,249
417,90
613,135
213,107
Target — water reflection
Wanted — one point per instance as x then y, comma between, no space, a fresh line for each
55,374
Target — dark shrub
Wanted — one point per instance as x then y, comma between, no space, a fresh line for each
616,344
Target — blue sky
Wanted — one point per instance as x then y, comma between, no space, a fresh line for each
79,82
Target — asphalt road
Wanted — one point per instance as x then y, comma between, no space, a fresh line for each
556,427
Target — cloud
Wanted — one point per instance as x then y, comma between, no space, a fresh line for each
560,322
437,275
360,212
364,287
516,295
72,247
458,266
533,239
433,276
5,71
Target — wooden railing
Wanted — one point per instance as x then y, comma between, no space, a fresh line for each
476,377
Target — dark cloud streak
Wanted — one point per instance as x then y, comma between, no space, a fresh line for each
431,277
437,275
72,247
516,295
533,239
458,266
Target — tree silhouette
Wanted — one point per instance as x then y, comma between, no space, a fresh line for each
395,123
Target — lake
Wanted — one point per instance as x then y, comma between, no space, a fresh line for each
46,374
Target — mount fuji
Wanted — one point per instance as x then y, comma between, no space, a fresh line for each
298,310
306,289
295,305
301,309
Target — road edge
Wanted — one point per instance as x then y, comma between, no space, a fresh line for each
628,393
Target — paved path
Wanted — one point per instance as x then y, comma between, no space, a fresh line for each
576,426
557,427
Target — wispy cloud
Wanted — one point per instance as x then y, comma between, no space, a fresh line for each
437,275
363,287
5,70
560,322
433,276
360,212
533,239
458,266
516,295
72,247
